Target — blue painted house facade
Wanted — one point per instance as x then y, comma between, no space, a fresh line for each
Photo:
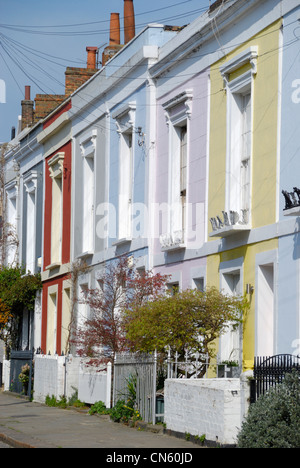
113,127
288,326
24,218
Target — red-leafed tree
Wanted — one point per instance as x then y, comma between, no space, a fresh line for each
121,287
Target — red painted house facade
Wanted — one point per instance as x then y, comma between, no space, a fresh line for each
56,139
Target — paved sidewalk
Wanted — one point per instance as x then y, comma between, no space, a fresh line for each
32,425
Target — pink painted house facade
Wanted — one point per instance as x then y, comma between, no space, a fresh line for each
180,178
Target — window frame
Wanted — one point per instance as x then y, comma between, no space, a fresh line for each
236,89
178,111
88,147
56,169
124,118
238,77
227,269
30,185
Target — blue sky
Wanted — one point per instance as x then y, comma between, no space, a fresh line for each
39,39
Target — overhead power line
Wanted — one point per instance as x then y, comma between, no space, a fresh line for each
92,22
99,31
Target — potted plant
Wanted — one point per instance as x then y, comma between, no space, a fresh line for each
24,377
228,369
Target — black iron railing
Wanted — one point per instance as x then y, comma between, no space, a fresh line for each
270,371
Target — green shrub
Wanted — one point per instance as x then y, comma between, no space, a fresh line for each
273,421
53,401
121,412
74,400
62,402
99,408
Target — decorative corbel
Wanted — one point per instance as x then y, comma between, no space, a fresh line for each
189,106
91,137
55,165
30,182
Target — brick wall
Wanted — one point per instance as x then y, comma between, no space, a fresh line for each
204,406
46,103
75,77
27,113
62,375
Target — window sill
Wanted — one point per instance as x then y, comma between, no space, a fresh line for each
292,211
169,242
230,230
172,248
122,241
53,266
86,254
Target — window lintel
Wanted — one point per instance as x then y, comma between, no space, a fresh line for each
249,56
186,98
125,117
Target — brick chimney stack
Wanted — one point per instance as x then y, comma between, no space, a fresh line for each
129,21
27,110
75,77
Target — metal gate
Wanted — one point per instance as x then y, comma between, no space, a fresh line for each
270,371
141,368
18,359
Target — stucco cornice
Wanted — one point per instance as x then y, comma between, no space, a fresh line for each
108,83
55,127
197,34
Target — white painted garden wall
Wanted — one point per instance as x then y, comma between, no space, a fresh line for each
64,375
211,407
50,377
6,375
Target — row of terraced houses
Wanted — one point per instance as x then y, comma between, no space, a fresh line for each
181,150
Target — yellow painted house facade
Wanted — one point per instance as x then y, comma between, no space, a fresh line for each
243,202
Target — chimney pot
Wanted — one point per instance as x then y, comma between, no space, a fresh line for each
27,93
91,57
129,21
114,38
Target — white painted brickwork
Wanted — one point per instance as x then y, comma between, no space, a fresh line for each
60,375
204,406
49,377
6,375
